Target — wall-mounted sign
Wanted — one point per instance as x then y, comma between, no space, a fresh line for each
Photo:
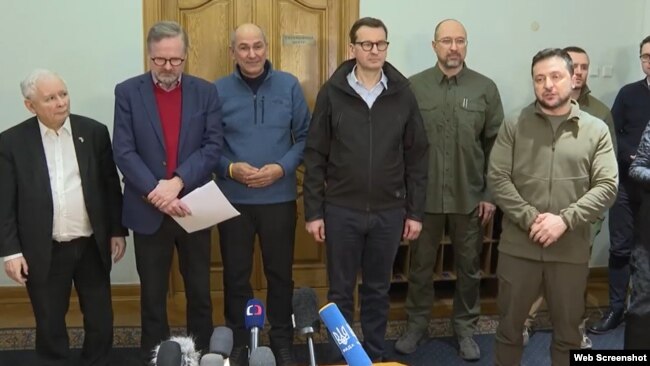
297,39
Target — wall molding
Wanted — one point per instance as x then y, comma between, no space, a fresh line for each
18,294
131,292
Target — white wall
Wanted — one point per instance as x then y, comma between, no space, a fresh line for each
96,44
646,22
92,44
504,35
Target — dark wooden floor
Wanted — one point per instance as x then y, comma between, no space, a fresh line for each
16,312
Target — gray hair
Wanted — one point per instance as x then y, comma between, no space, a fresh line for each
233,34
166,29
28,85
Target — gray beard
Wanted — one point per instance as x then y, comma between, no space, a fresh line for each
453,64
167,80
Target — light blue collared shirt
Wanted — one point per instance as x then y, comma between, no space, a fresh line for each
369,96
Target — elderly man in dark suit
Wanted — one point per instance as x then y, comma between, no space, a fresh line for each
167,142
60,209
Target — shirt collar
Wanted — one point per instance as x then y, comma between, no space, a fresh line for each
440,76
64,129
574,113
383,80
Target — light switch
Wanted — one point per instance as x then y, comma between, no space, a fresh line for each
607,71
594,71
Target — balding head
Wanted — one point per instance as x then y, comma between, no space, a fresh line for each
248,48
246,29
448,25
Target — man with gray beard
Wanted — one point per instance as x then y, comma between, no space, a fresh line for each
462,113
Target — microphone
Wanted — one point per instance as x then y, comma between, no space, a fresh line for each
305,311
168,353
254,320
177,351
211,359
344,336
262,356
221,341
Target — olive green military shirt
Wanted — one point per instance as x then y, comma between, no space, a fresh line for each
462,116
598,109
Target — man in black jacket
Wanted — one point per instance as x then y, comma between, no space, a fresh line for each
631,112
60,209
366,171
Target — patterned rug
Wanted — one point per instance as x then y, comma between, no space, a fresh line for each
19,339
129,337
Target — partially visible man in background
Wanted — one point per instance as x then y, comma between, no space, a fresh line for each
631,112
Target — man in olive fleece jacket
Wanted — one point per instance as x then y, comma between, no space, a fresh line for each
590,104
552,171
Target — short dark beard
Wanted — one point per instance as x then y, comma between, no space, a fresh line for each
557,105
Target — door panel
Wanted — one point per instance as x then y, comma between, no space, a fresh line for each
208,28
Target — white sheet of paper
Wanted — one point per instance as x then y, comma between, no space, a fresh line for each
208,206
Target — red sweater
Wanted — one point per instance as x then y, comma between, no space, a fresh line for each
169,110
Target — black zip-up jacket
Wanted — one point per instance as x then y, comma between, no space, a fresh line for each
362,158
631,112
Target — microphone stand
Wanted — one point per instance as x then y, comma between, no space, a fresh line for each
310,343
254,338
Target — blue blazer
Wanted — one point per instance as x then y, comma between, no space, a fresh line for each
139,147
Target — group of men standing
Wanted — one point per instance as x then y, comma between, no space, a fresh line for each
387,159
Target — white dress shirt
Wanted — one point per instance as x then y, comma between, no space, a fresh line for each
368,96
70,218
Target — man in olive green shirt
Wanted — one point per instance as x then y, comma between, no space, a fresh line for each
552,172
590,104
462,113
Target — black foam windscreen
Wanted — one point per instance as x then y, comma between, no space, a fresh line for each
169,354
262,356
221,341
305,308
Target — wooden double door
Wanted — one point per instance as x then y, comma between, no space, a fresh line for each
307,38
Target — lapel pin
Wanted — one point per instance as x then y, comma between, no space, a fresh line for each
81,139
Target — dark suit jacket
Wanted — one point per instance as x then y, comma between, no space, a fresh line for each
26,206
140,149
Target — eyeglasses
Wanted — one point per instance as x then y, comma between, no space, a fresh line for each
368,46
161,61
645,57
447,42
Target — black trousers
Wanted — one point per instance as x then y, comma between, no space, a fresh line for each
621,237
77,262
275,225
638,315
153,258
367,242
